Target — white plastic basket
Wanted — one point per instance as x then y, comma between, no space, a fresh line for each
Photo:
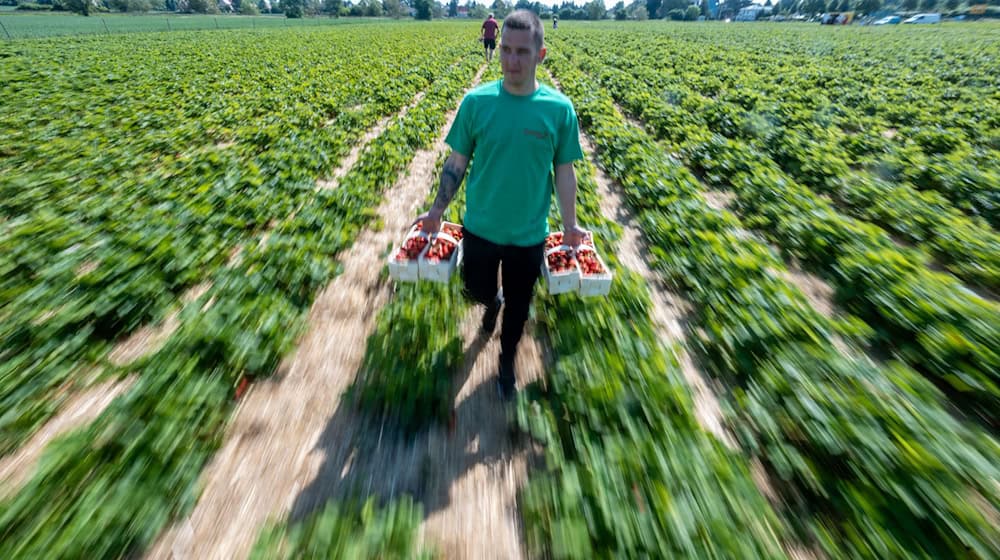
406,270
594,284
560,282
440,271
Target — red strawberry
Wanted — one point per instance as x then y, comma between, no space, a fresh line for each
411,248
561,261
589,263
453,231
241,388
441,250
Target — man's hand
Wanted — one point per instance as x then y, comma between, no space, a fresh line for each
431,220
573,236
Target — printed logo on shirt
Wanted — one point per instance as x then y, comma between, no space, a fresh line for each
540,134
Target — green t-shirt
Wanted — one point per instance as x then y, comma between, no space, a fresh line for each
514,141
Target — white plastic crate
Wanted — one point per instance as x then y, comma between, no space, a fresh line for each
440,271
594,284
560,282
406,270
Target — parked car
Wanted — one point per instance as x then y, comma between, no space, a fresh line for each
889,20
924,18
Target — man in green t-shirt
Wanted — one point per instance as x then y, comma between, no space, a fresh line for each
516,132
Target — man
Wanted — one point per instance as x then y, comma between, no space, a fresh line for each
488,35
515,131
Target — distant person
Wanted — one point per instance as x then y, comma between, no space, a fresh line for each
488,35
522,138
555,22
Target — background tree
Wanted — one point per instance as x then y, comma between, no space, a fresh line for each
653,7
869,6
692,13
668,6
423,8
951,5
595,9
82,7
640,13
393,8
500,8
293,8
453,8
478,11
248,8
332,7
910,5
929,5
844,6
813,7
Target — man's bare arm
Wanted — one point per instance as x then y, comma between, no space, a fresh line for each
451,179
566,193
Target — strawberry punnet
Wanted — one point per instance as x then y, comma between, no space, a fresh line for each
411,248
441,250
589,263
561,261
454,231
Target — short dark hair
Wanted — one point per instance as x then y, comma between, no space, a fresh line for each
528,21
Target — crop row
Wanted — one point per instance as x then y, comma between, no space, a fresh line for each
628,470
911,108
926,317
108,489
114,201
835,151
864,456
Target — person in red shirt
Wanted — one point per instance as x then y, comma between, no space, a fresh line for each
489,36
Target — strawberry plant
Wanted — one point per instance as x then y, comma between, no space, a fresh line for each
747,319
346,531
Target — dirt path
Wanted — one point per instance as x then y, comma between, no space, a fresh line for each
290,429
90,400
479,470
16,468
333,180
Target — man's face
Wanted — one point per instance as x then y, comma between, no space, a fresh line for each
518,56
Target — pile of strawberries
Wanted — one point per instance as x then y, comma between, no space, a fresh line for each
453,231
411,248
441,250
561,261
589,263
555,239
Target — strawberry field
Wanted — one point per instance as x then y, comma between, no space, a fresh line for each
203,180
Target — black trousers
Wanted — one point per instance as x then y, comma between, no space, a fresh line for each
520,271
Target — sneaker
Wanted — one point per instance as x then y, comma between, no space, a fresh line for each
506,381
492,313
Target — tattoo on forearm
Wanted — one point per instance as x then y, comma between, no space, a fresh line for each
451,178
